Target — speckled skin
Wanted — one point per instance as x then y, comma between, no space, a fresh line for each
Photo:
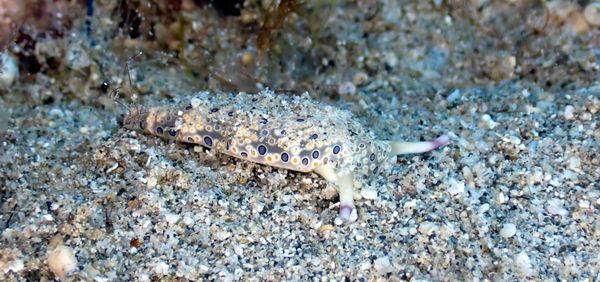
294,133
264,127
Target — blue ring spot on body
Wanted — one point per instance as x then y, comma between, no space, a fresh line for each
315,154
173,132
244,154
305,161
372,157
285,157
336,149
208,141
262,149
159,130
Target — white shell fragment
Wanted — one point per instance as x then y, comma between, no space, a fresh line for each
62,261
508,230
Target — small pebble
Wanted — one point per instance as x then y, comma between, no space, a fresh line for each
152,181
188,220
569,112
455,95
503,68
383,266
365,266
222,235
555,206
391,60
586,116
584,204
172,218
161,268
15,266
247,58
508,230
48,218
574,163
592,14
9,71
487,122
484,208
338,221
326,228
410,205
501,198
523,264
246,17
346,88
360,78
77,58
195,102
456,187
353,215
359,237
62,261
427,228
369,194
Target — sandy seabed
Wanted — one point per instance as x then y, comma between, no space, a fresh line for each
514,195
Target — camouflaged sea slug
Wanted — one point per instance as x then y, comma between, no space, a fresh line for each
294,133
